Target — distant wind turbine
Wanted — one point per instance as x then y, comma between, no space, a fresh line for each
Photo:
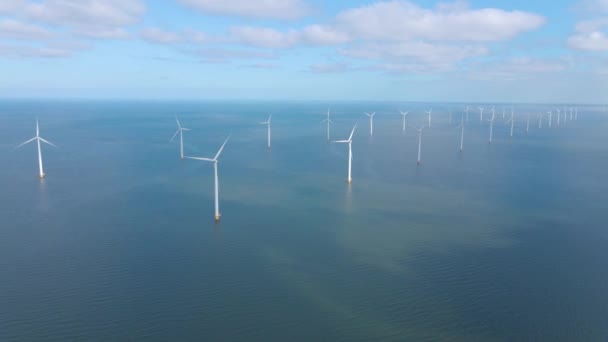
404,114
481,114
38,140
466,110
214,160
571,113
419,130
461,134
512,121
371,123
328,123
558,115
540,121
550,118
349,141
180,131
267,123
492,126
575,114
429,113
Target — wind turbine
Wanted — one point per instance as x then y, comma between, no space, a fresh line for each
371,123
419,130
540,121
349,141
268,124
492,126
404,114
550,118
512,120
461,134
571,113
180,131
38,140
481,114
214,160
558,115
328,122
429,113
575,114
466,110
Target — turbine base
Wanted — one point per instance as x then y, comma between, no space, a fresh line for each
42,176
349,181
217,218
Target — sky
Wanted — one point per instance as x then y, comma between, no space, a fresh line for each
391,50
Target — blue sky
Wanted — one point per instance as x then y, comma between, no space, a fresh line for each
486,50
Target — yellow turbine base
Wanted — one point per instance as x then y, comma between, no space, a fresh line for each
217,219
42,176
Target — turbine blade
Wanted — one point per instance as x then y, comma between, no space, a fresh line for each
27,142
350,138
48,142
221,149
186,129
174,135
341,141
203,159
178,124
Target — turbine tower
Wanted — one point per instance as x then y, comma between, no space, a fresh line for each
214,160
371,123
349,141
466,110
481,114
550,113
419,130
512,121
328,123
38,140
180,131
492,126
558,115
429,113
267,123
404,114
461,135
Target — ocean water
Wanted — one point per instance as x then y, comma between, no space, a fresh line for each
503,242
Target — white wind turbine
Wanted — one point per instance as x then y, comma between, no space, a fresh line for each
512,121
429,113
461,134
540,121
214,160
180,131
419,130
571,113
558,115
328,123
267,123
371,123
38,140
466,110
550,118
492,126
404,114
481,114
575,114
349,141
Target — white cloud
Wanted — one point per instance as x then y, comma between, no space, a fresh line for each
7,6
49,51
159,36
590,41
91,18
221,55
403,20
326,68
271,9
14,29
263,37
518,68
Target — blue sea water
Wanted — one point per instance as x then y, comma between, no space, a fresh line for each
503,242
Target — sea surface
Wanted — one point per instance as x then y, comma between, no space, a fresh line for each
503,242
